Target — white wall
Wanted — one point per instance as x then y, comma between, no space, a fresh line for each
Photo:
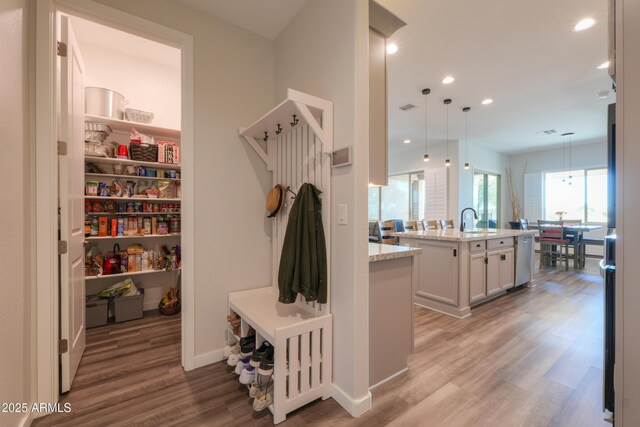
15,264
148,86
233,85
324,52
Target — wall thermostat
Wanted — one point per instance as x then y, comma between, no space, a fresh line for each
341,157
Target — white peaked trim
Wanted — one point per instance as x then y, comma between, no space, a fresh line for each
45,171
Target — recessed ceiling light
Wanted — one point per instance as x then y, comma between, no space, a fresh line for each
584,24
392,48
407,141
603,66
603,94
487,101
448,80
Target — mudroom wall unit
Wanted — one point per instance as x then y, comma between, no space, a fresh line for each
147,75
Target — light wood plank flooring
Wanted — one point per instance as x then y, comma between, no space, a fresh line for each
530,358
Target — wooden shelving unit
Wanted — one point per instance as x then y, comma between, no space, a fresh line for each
132,273
146,236
132,199
125,126
148,178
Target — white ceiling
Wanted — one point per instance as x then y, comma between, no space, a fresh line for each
264,17
521,53
103,37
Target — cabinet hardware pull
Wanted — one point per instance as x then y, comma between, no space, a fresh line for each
502,242
486,260
455,252
503,257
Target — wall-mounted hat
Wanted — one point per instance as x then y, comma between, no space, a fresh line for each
275,198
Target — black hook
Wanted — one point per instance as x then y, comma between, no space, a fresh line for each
266,137
295,121
279,129
288,189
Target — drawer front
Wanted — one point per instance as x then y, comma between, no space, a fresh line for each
507,242
478,246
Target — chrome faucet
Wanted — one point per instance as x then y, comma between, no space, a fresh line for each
475,215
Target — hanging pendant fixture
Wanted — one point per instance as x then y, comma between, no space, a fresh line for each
570,135
564,171
466,136
448,161
426,124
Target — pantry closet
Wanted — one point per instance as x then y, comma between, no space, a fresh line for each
132,179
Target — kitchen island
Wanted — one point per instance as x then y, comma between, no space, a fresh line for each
457,270
392,280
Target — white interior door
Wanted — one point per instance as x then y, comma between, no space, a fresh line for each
71,188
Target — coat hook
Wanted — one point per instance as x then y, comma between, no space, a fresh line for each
266,137
279,129
295,121
288,189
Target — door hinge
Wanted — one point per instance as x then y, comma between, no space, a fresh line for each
62,148
62,247
486,260
63,346
455,252
62,49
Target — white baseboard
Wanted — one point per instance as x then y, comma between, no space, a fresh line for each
26,420
386,380
207,358
354,407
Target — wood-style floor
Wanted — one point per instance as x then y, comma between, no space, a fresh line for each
530,358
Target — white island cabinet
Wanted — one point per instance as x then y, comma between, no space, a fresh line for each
458,270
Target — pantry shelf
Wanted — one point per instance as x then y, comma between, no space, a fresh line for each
131,199
131,213
125,162
125,126
149,178
146,236
132,273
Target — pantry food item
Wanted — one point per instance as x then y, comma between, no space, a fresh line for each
135,249
102,226
91,188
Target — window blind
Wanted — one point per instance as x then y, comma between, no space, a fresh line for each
436,192
533,206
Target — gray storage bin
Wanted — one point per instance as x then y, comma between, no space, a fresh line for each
128,308
96,311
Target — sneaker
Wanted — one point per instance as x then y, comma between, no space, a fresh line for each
234,356
248,374
264,350
264,398
247,346
242,363
266,364
254,389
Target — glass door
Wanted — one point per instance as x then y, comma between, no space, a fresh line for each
486,199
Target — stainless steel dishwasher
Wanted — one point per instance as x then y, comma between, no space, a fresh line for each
524,252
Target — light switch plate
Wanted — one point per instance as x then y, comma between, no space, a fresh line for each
342,214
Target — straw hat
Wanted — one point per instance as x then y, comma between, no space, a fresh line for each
274,200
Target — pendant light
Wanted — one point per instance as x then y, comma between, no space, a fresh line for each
426,124
466,136
563,168
447,162
570,135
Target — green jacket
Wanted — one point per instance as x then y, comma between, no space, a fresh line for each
303,262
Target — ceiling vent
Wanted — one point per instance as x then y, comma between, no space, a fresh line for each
407,107
547,132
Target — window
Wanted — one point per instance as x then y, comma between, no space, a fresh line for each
486,199
403,198
581,193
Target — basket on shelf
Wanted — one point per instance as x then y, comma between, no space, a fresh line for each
170,309
143,152
138,116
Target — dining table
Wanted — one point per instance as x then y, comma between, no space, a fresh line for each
576,231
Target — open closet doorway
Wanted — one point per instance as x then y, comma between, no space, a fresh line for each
116,199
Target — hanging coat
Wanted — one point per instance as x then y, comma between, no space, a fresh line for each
303,262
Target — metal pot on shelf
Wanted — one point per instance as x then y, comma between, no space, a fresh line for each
103,102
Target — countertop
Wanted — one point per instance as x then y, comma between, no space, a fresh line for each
470,235
378,252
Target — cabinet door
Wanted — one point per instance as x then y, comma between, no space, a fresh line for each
477,277
439,272
494,285
507,270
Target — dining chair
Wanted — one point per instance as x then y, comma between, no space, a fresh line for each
575,242
430,224
446,224
413,225
552,242
524,223
387,228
